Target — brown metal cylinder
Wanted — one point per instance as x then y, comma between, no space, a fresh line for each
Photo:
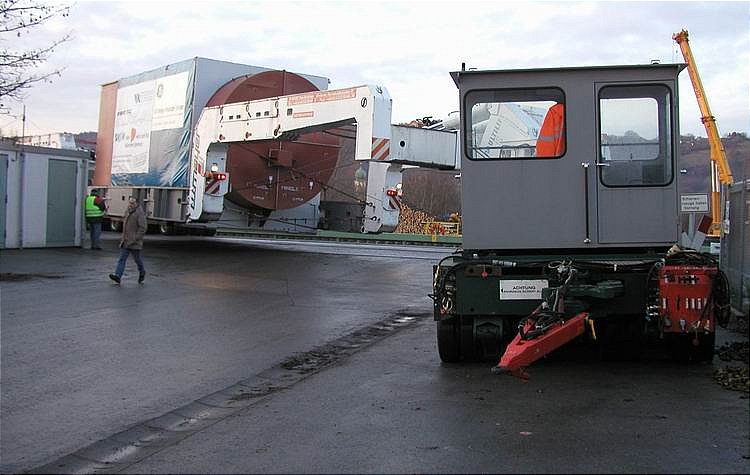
273,174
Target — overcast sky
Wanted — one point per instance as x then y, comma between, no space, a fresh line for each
408,47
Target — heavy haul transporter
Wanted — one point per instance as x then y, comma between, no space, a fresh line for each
570,213
207,143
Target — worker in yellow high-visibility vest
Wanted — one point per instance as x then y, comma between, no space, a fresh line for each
95,209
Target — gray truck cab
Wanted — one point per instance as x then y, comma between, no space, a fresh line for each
577,158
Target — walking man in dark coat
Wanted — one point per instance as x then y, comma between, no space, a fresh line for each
133,230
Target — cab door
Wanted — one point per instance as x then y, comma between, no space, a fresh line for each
636,187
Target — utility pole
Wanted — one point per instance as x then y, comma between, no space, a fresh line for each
23,123
22,158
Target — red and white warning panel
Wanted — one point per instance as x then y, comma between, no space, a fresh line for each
394,198
381,148
217,183
214,182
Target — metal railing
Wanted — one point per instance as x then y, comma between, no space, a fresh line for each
441,228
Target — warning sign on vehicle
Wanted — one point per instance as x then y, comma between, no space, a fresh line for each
694,203
522,289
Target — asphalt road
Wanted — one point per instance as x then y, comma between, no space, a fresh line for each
393,408
202,370
83,358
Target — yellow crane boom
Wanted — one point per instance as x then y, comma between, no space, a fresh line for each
720,171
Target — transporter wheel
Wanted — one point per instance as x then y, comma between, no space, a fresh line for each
166,229
448,340
115,226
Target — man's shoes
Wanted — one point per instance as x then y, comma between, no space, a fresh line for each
141,278
116,277
97,248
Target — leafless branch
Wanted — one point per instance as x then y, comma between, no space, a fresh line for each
18,15
18,69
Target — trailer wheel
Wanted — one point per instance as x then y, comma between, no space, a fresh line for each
115,226
448,340
166,229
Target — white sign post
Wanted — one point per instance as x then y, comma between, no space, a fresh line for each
694,203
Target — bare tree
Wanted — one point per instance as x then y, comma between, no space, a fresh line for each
435,192
19,68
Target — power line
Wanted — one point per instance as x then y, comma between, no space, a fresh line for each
33,123
8,123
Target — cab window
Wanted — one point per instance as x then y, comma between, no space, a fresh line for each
635,135
515,124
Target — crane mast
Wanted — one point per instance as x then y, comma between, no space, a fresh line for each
720,171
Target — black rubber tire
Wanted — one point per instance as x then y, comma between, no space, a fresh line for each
467,341
115,226
448,340
166,229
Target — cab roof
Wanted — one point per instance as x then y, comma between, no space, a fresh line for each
456,75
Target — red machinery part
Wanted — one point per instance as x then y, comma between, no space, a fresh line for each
273,174
520,353
685,298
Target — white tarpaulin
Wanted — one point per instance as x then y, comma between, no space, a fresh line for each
141,109
169,103
133,128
